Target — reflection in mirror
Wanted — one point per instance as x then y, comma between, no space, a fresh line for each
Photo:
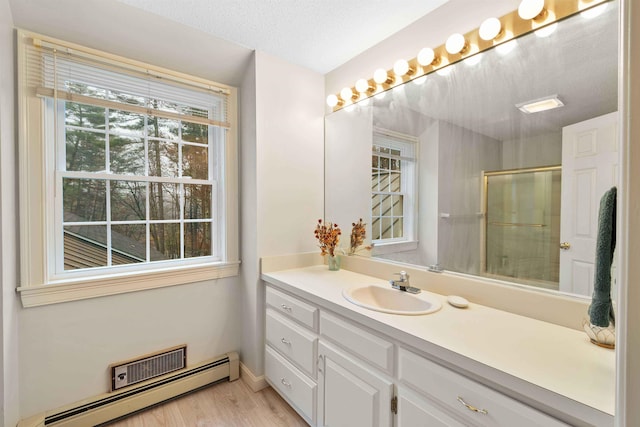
459,170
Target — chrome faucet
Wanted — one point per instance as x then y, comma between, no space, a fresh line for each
403,284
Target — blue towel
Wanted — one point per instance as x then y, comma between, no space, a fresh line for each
601,309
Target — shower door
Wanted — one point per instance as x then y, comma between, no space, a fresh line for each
522,225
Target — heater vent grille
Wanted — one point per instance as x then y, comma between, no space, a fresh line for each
151,366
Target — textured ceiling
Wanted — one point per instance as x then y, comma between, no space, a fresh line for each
317,34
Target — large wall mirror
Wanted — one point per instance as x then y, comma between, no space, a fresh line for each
465,170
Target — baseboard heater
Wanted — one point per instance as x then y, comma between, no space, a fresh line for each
110,406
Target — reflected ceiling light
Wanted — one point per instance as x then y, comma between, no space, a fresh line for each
505,48
456,43
426,56
490,29
401,67
594,11
380,95
546,31
541,104
347,94
531,9
444,71
420,80
473,60
363,86
332,100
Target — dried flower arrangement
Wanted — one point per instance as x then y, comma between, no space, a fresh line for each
358,234
328,235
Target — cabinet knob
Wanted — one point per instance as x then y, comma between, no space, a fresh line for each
472,408
286,342
285,307
285,382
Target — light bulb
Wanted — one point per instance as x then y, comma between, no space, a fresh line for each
473,60
529,9
401,67
426,56
420,80
507,47
490,28
332,100
380,76
347,94
363,86
455,43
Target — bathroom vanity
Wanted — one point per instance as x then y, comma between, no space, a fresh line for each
339,364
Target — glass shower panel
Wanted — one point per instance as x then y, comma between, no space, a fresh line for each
522,226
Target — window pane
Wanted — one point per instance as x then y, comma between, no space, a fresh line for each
398,205
127,123
197,239
386,205
126,98
395,179
375,205
375,229
195,162
85,151
84,200
197,201
193,132
164,201
85,116
164,241
126,155
163,158
384,181
128,200
83,89
158,127
397,227
384,163
386,228
85,246
128,244
374,162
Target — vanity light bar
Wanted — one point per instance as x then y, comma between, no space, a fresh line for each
531,15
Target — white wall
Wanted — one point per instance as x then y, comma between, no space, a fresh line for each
9,382
539,150
283,176
65,349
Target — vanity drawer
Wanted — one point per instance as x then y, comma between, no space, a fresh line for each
299,390
368,347
449,388
293,341
293,308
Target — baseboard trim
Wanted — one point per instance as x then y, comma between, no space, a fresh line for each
255,383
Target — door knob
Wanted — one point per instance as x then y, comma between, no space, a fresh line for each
565,246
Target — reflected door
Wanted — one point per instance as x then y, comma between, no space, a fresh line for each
589,169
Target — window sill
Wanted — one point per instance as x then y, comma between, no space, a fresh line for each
53,293
392,247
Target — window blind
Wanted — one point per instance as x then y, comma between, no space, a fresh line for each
59,71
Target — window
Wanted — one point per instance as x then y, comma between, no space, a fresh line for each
134,169
393,184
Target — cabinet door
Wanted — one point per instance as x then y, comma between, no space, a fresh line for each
416,411
351,394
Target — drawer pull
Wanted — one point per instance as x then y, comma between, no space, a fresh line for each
285,307
283,341
472,408
285,382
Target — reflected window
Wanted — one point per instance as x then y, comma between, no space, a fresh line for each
393,187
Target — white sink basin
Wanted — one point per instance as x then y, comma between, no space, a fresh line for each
389,300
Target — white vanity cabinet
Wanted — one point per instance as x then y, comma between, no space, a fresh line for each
336,372
291,351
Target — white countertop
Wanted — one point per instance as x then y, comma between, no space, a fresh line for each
539,361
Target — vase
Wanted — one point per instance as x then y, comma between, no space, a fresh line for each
334,262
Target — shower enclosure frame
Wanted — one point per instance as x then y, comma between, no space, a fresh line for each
485,213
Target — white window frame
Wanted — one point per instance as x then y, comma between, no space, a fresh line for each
40,284
408,146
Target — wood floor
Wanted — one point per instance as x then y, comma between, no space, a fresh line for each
226,404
